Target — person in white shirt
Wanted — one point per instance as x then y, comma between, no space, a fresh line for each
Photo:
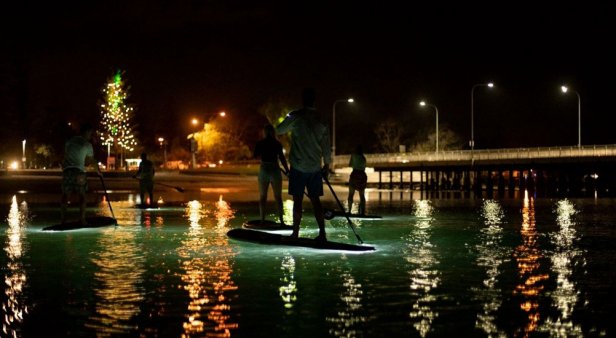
310,157
77,150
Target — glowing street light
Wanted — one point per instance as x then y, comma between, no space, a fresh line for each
163,145
565,89
489,85
423,103
23,158
349,100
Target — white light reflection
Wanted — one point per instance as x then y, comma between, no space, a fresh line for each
14,307
491,255
422,208
206,259
423,261
288,289
528,256
118,281
565,256
348,319
287,210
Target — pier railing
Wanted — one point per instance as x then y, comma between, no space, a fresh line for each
486,155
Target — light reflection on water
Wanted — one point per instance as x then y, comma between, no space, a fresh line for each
531,277
349,318
565,256
206,261
117,281
14,308
491,255
528,277
422,256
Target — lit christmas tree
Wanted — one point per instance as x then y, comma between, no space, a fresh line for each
117,130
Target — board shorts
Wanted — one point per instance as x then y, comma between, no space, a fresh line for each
270,173
300,181
358,180
74,181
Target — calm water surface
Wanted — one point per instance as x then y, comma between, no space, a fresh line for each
443,267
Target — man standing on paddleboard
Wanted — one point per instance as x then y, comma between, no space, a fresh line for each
77,150
310,157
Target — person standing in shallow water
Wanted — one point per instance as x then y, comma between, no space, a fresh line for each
310,147
269,149
77,150
358,179
145,174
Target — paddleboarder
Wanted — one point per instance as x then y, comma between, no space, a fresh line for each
77,150
269,150
145,174
358,179
310,147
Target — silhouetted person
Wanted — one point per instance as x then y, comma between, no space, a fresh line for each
358,179
269,150
310,145
145,174
77,150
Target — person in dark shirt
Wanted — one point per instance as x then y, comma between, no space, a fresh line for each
145,174
269,149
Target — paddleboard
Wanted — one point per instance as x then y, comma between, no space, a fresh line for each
329,214
266,225
262,237
93,222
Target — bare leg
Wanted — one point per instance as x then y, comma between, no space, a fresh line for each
277,187
318,214
63,207
350,200
297,214
82,208
263,186
362,202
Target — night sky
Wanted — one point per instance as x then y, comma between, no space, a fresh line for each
183,58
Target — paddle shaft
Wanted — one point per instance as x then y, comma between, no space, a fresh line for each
107,196
342,208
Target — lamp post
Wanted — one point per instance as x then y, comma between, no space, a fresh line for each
565,89
349,100
163,145
472,142
424,103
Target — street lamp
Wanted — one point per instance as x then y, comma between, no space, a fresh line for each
163,145
423,103
489,85
565,89
349,100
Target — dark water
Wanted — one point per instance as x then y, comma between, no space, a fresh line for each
443,267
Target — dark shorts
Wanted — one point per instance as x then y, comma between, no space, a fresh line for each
298,181
74,181
146,185
358,180
270,173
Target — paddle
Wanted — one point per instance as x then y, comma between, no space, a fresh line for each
107,196
342,208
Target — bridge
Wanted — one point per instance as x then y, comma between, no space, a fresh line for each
567,170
